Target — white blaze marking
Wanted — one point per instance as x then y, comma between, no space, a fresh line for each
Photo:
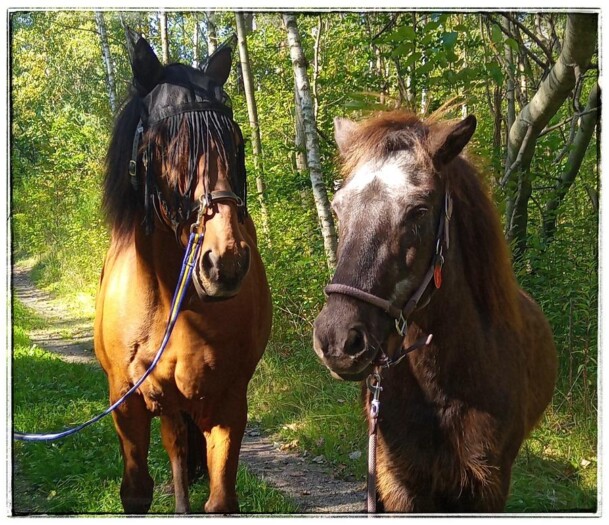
394,175
393,172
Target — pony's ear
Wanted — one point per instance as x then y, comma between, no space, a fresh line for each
217,66
446,143
343,130
145,65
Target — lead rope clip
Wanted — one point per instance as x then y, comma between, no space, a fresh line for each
373,382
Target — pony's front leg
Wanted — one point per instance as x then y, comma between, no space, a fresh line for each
223,445
132,422
175,441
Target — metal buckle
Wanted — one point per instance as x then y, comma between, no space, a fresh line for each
132,167
376,390
401,325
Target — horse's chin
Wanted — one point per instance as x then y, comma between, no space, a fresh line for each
209,292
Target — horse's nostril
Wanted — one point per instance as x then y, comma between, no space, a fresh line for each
209,262
355,342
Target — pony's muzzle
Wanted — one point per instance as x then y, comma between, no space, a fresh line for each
343,349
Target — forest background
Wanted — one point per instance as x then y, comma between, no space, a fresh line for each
531,79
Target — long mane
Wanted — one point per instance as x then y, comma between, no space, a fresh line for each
119,201
486,257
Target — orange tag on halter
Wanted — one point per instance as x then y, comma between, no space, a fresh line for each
437,275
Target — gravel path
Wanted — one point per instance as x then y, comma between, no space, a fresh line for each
309,484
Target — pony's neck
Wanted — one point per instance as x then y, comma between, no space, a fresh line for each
451,315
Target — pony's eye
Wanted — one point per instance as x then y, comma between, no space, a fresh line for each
416,213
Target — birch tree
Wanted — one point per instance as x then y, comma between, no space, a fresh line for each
212,33
252,112
164,37
195,43
107,57
579,44
320,194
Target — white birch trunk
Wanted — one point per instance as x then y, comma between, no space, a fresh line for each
195,44
164,38
212,33
320,195
103,37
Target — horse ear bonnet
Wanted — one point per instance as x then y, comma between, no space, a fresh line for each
182,93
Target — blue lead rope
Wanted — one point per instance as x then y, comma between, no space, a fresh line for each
194,244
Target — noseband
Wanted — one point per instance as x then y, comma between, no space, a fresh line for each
401,314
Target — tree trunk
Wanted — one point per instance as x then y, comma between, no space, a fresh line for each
300,140
252,112
195,43
313,159
103,37
212,33
164,38
497,125
576,156
577,50
316,66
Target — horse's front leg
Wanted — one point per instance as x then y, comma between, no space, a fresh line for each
175,441
223,446
132,422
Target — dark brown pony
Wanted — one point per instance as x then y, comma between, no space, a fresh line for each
455,411
174,149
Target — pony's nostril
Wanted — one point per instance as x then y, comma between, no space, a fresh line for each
355,342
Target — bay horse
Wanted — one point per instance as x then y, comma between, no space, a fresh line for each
421,253
177,154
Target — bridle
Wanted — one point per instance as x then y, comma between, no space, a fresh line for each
401,314
154,200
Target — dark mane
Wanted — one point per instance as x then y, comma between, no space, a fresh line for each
179,141
119,199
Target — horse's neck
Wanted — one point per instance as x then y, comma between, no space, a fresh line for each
160,254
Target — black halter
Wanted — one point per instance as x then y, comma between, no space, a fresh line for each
185,93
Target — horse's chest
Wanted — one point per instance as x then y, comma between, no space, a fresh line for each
189,375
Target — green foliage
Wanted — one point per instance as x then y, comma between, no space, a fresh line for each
373,60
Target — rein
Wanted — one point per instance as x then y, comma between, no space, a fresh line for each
197,233
400,315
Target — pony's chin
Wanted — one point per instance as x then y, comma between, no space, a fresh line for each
357,376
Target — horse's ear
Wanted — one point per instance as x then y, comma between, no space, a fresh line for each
218,65
343,130
449,141
145,65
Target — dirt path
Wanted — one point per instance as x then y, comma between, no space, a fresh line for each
310,485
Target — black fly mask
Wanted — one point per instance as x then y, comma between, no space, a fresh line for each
183,113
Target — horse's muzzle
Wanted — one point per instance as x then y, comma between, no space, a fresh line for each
220,276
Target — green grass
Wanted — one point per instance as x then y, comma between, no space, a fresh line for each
293,398
81,474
